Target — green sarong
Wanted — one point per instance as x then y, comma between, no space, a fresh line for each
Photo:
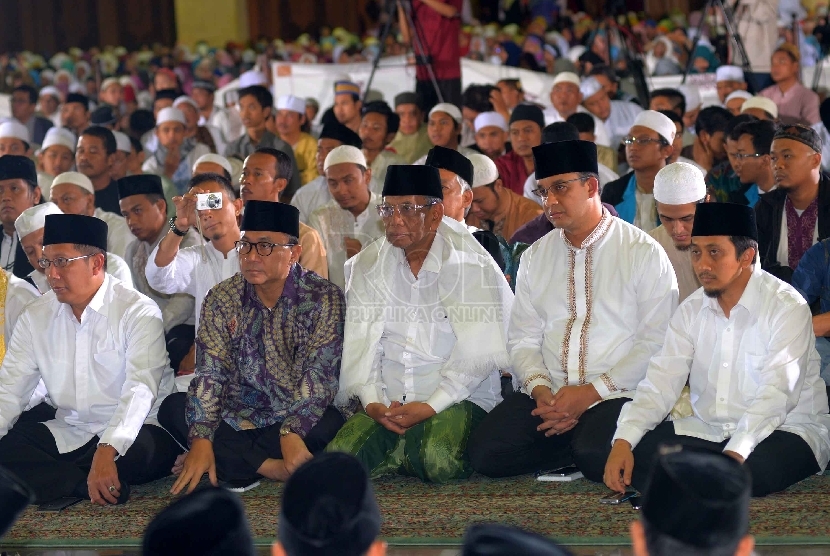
434,450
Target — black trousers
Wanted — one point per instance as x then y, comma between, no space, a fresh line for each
507,442
450,90
179,341
29,451
778,462
38,414
240,453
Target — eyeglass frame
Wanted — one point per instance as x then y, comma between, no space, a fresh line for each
742,156
641,142
543,192
397,208
54,261
254,245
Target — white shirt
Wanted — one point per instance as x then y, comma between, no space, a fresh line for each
227,122
153,166
417,342
600,131
188,273
633,291
7,251
335,224
116,267
750,374
311,196
18,294
783,253
119,235
621,119
605,174
106,374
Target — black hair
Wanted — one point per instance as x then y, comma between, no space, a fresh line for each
105,135
674,95
92,250
262,95
742,243
283,162
735,122
31,91
142,121
515,84
761,132
713,119
135,144
198,180
660,543
477,97
607,71
560,131
583,122
393,121
170,94
672,115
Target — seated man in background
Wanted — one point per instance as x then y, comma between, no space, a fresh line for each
526,124
268,360
745,344
491,134
587,127
444,129
19,191
290,119
456,172
175,154
425,368
751,161
57,155
377,129
412,141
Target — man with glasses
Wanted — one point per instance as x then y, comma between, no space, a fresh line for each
751,161
576,349
104,436
269,349
424,337
647,146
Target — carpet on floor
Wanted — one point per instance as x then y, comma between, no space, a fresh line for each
422,514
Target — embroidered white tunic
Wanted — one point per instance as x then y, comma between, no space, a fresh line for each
593,314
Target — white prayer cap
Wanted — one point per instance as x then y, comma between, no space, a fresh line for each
122,142
566,77
658,122
170,114
109,81
51,91
484,169
33,219
729,73
738,94
75,178
692,96
214,159
15,130
184,99
679,183
447,108
76,87
764,103
59,136
290,102
345,154
490,119
589,87
251,78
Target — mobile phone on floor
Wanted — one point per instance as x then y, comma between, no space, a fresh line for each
563,474
636,502
59,504
618,497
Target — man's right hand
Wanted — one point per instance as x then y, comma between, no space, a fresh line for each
186,208
199,460
553,421
378,411
619,467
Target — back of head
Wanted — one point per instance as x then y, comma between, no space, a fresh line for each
583,122
730,126
675,96
713,119
477,98
560,131
491,539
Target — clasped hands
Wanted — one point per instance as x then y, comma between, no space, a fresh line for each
399,417
560,412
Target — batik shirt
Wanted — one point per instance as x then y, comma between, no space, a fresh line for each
256,367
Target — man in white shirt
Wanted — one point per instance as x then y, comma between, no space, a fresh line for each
226,121
566,99
74,194
351,221
175,154
378,127
57,155
104,436
617,115
745,344
456,171
578,348
424,336
18,191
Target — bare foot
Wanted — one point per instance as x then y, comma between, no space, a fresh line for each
273,469
179,465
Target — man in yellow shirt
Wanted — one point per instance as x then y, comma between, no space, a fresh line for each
412,141
290,119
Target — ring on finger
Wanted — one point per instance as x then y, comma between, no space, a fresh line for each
112,488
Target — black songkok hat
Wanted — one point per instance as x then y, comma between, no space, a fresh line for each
700,499
800,133
140,184
16,167
79,98
339,132
271,216
403,180
452,160
725,219
528,112
211,521
15,495
564,157
75,228
103,115
409,98
329,508
490,539
206,85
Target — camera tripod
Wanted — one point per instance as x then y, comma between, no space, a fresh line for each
731,30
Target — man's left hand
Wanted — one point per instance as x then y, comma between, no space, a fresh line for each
574,400
294,452
102,475
410,414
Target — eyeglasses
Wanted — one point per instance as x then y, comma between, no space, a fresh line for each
406,210
60,262
543,192
641,141
741,156
263,248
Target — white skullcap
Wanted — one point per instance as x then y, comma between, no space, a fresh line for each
75,178
658,122
170,114
184,99
345,154
589,87
763,103
76,87
692,96
106,83
447,108
490,119
51,91
484,169
33,219
566,77
59,136
251,78
737,94
122,142
679,183
290,102
14,129
729,73
214,159
125,80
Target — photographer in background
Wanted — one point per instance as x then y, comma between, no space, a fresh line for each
757,22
